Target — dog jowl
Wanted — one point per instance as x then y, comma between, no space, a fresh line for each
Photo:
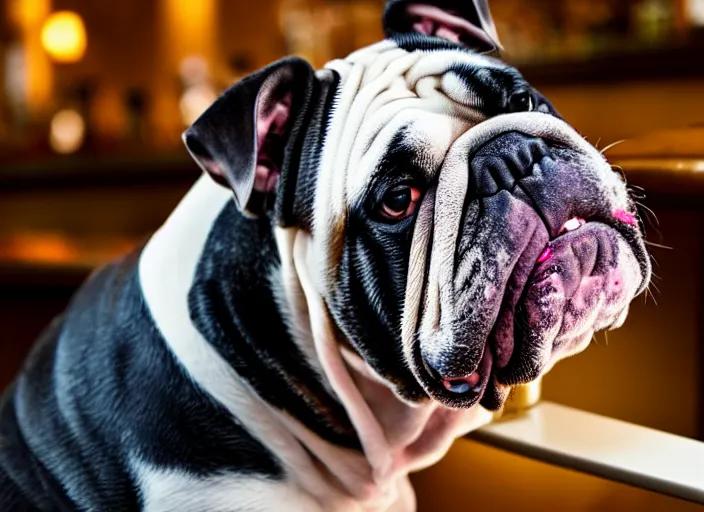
376,252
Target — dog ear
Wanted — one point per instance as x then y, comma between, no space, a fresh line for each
242,139
467,22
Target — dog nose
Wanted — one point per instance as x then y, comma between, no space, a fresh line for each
503,162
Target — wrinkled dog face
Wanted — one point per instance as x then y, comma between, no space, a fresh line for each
465,237
470,238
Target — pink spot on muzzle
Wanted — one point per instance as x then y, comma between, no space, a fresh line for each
625,217
546,255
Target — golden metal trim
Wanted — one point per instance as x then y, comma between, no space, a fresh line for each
522,398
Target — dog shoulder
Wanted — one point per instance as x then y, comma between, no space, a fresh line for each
101,387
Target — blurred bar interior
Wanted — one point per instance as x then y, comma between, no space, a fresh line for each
94,96
92,79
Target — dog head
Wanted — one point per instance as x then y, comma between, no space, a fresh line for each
467,238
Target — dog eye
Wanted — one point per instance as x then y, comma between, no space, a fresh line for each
520,101
400,202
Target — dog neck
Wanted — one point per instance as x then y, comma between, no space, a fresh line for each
396,437
372,440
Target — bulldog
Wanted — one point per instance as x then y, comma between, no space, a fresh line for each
374,253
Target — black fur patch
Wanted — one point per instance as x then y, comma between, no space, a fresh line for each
368,301
309,160
412,41
233,306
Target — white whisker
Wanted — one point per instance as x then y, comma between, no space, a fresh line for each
659,246
612,145
650,212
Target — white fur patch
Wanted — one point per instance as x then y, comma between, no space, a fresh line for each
171,490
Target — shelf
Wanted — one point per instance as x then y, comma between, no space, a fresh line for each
601,446
654,63
98,171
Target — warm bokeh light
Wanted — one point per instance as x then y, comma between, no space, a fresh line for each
64,37
56,249
198,92
32,85
194,101
27,12
67,131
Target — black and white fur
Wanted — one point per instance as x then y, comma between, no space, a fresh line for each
276,343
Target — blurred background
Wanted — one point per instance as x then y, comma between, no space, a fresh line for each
94,96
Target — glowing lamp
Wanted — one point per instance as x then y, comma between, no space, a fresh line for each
64,37
67,131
